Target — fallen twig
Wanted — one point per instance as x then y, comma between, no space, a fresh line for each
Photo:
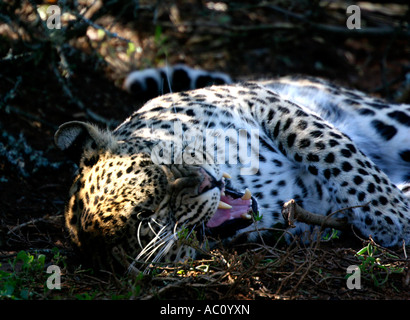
52,219
292,212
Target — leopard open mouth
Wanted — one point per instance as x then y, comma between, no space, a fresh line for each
227,221
235,210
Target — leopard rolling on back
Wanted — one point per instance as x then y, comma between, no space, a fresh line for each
166,169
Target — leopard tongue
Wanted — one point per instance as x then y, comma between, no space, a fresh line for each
229,209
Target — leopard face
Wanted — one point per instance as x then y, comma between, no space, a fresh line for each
125,204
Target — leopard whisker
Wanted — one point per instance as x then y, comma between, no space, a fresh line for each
175,231
154,249
159,224
161,238
165,243
152,229
154,241
151,247
138,235
165,248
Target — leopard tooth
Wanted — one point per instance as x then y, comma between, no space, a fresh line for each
224,205
246,216
226,175
247,195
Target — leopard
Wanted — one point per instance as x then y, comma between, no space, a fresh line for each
218,162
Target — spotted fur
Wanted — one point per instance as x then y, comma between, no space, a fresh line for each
142,189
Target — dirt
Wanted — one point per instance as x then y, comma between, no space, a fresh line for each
44,83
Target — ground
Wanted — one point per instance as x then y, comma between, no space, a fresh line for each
48,77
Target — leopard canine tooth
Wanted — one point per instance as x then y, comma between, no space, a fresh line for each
226,175
224,205
247,195
246,216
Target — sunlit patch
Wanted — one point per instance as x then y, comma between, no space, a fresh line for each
217,6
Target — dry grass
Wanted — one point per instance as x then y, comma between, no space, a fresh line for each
255,271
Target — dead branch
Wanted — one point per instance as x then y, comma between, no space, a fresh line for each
292,212
92,115
51,219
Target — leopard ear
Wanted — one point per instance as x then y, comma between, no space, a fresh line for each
76,138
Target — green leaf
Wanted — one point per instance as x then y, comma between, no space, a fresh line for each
41,259
371,250
131,48
158,34
362,251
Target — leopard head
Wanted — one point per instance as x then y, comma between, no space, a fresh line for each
124,207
